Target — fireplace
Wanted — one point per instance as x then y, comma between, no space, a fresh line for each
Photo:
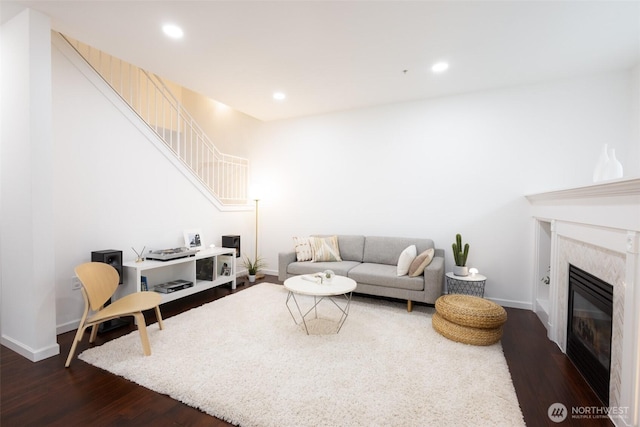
595,228
589,329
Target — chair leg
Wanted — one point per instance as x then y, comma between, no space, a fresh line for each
94,334
142,329
159,317
409,306
76,340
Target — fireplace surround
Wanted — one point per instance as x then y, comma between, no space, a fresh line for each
596,229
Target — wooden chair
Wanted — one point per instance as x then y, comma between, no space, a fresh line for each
99,283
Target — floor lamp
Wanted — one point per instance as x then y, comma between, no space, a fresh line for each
258,275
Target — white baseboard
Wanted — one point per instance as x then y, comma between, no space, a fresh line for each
66,327
269,272
512,304
35,355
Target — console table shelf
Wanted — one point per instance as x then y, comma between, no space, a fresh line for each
205,270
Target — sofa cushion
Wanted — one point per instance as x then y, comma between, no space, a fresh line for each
325,249
421,262
385,275
351,248
303,248
340,268
387,250
406,258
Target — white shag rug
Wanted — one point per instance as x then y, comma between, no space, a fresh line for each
242,359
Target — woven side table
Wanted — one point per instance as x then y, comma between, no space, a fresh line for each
472,284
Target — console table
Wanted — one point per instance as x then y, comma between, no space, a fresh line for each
206,269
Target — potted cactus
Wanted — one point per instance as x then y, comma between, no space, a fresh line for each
460,257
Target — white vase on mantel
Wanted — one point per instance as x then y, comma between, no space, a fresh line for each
601,164
613,168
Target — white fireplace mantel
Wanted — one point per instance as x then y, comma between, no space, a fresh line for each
597,226
614,204
614,188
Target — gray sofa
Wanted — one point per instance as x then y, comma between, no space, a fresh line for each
372,262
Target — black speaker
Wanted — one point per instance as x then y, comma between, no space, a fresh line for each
111,257
232,242
114,259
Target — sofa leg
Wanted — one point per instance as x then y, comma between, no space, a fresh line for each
409,306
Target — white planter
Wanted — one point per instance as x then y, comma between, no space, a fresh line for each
460,270
252,278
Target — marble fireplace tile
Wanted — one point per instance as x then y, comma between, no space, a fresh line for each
609,266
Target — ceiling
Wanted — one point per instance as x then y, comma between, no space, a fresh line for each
337,55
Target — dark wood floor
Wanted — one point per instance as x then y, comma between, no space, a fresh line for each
47,394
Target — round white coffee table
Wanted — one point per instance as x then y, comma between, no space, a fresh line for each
339,286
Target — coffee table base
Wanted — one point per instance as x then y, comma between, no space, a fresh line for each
344,310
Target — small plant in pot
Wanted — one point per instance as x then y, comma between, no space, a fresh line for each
326,276
253,267
460,257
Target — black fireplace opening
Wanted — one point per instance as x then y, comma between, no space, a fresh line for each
589,329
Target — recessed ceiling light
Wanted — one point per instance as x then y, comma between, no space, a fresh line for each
440,67
279,96
173,31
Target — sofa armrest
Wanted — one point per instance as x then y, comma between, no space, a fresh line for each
434,274
284,259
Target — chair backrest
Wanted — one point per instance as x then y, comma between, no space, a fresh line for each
99,280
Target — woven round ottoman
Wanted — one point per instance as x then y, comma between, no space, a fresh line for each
469,319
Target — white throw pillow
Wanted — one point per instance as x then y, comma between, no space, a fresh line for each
406,258
303,248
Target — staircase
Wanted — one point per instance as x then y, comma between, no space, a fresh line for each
223,175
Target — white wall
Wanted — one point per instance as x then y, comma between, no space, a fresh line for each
115,190
635,116
28,297
430,169
434,168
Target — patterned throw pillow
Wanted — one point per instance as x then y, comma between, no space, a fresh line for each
421,262
303,248
325,249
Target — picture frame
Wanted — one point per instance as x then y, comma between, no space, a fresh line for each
193,239
225,270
